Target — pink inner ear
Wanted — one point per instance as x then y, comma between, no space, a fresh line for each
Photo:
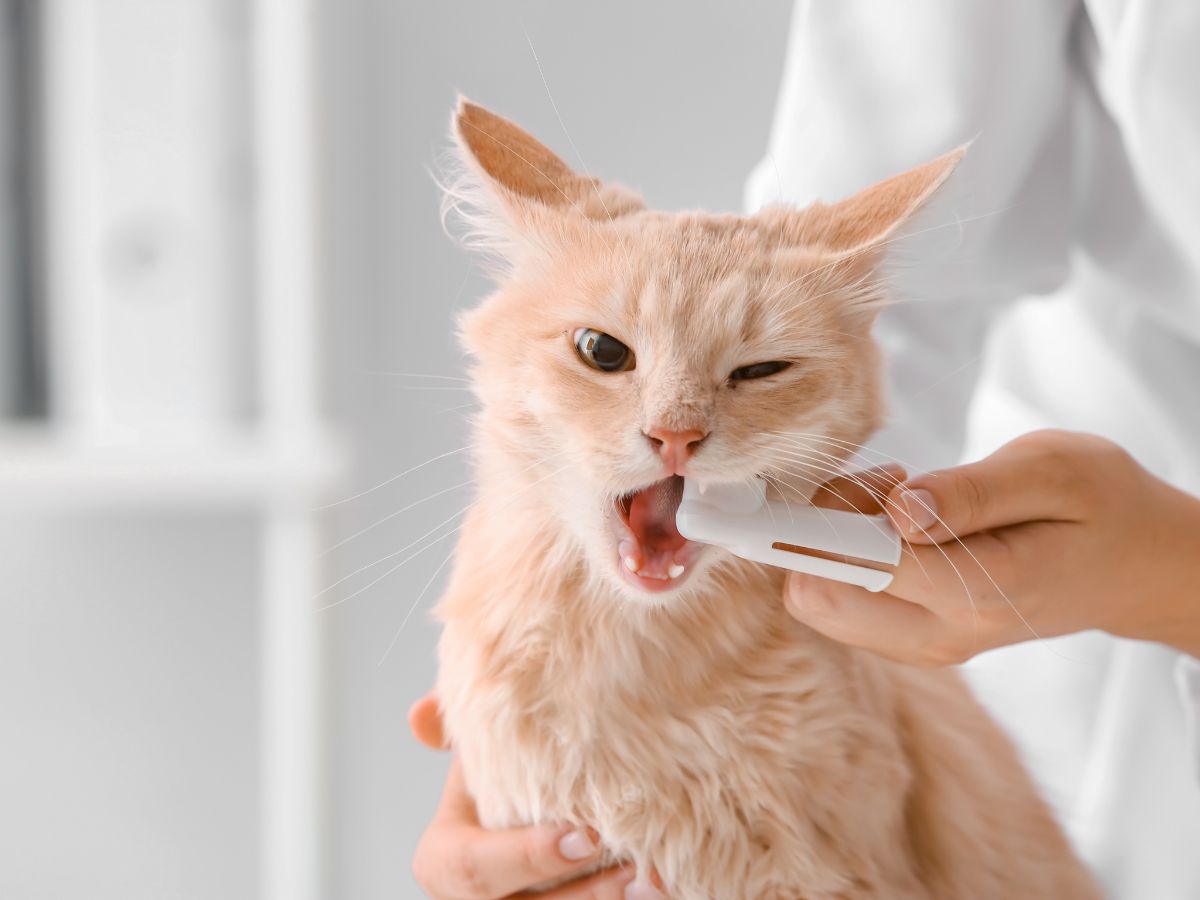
526,170
514,158
874,214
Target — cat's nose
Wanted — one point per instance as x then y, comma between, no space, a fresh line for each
675,447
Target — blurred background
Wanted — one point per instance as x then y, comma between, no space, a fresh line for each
234,423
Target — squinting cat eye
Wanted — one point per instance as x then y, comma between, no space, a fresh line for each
602,351
758,370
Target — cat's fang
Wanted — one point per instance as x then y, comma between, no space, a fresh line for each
676,570
631,564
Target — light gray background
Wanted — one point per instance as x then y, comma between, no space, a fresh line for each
673,98
129,675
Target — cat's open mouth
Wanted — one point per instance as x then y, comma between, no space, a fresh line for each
651,553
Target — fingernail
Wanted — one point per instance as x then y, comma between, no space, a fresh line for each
576,845
921,509
806,596
641,889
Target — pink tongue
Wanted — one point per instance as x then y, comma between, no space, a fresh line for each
652,515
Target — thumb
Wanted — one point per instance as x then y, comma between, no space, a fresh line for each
425,720
1007,488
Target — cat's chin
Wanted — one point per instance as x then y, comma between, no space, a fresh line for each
650,553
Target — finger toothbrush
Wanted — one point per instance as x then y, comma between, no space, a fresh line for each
845,546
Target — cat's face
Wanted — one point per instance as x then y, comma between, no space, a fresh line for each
626,348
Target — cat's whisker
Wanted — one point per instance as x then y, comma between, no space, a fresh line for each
537,462
393,478
414,606
395,553
983,569
554,106
820,485
835,474
433,387
416,375
779,486
508,501
848,446
433,542
815,484
957,572
835,462
453,409
393,515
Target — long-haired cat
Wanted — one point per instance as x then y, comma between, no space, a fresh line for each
598,669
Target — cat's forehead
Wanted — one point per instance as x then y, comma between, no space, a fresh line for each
719,275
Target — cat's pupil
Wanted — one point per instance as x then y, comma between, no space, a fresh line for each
758,370
602,351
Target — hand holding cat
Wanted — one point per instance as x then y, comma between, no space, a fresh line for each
1056,532
458,859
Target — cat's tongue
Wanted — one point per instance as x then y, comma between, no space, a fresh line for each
652,553
652,514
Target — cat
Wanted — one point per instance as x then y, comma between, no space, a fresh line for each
598,669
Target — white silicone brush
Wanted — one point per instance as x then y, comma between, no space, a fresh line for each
844,546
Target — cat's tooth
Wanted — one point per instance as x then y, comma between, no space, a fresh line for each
631,564
675,571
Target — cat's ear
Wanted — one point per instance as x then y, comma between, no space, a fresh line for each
868,219
879,213
512,181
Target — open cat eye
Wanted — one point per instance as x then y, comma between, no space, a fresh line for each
758,370
602,351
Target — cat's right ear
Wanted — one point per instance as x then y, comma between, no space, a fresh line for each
512,189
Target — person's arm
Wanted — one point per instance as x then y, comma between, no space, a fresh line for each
874,87
1054,533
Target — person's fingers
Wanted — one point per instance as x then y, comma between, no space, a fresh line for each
1021,482
860,491
425,720
477,864
460,859
878,622
607,885
959,574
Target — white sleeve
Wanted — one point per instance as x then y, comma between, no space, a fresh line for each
1187,678
874,87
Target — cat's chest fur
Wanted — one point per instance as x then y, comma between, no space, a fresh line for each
726,730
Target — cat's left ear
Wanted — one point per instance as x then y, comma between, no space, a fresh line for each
870,218
515,186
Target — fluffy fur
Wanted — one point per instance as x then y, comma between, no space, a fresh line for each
701,730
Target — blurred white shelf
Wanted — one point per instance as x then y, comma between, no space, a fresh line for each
39,468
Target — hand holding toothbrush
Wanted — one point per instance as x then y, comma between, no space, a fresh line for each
1056,532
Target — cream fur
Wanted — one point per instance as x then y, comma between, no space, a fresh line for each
703,732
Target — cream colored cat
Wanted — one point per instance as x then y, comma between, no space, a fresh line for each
596,668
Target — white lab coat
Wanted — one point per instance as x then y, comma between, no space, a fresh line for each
1082,186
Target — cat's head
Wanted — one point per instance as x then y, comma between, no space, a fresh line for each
625,347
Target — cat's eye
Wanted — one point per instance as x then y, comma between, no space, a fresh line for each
602,351
758,370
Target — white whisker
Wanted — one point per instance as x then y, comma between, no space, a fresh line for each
392,479
393,515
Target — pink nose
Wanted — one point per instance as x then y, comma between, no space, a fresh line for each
675,447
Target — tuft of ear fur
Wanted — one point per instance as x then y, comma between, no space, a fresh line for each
511,190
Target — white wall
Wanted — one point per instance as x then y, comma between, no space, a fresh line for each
673,98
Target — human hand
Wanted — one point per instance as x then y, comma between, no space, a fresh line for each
1056,532
458,859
